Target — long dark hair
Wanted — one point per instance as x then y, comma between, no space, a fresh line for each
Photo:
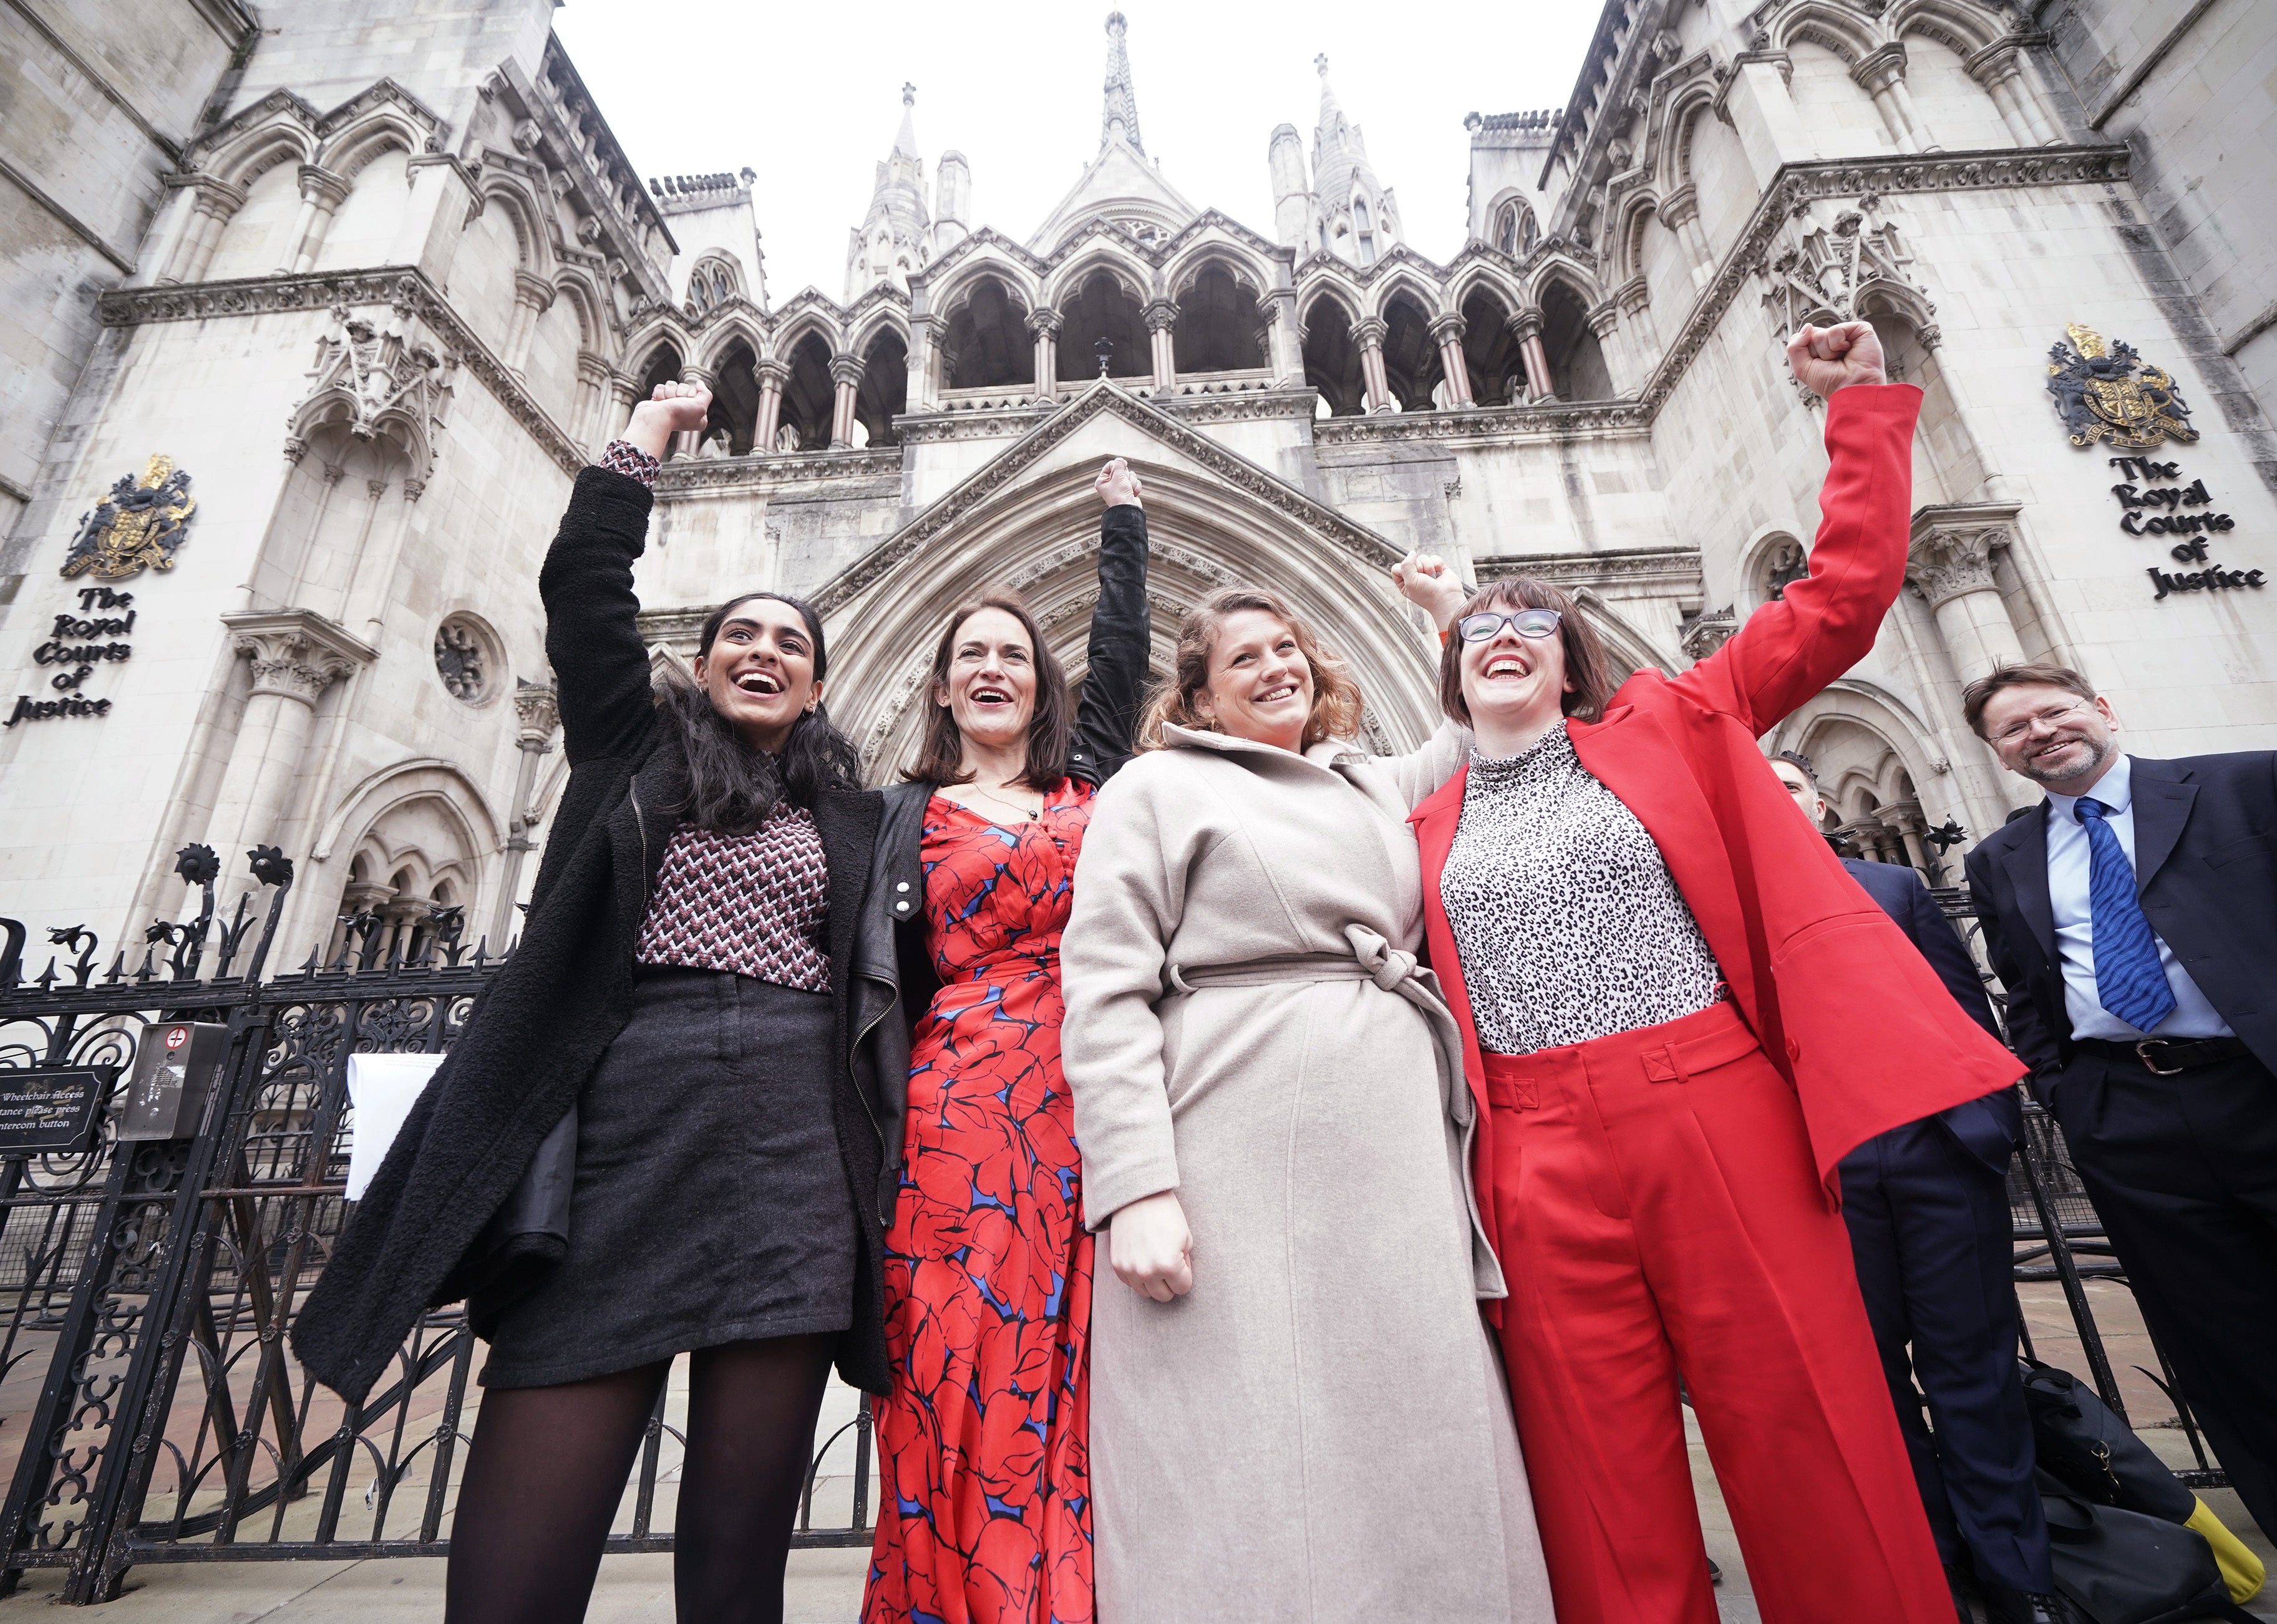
940,757
733,787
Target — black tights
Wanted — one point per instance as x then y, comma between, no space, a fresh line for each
549,1467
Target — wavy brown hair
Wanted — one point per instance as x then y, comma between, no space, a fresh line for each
941,756
1587,667
1336,697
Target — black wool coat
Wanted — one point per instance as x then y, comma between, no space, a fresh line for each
540,1027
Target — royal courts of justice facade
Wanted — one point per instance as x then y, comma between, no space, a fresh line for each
310,311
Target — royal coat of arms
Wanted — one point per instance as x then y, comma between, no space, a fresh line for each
2105,392
137,527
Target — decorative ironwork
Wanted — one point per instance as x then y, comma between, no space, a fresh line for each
2106,392
139,525
157,1281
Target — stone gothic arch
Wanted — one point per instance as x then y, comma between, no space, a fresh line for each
1029,519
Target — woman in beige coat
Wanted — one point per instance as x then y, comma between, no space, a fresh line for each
1296,1412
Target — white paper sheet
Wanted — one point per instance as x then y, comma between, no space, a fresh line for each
383,1088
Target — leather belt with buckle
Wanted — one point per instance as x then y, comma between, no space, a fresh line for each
2169,1056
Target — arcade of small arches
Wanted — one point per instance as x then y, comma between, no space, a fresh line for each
816,378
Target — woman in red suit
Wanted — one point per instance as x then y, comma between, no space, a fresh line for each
985,1499
1679,1013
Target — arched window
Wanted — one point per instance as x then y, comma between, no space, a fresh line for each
988,346
735,398
1496,363
809,399
1331,358
1577,363
1505,236
1102,308
1411,360
1365,230
1218,327
710,284
884,392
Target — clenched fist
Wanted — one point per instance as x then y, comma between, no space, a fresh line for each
675,408
1429,582
1117,484
1825,358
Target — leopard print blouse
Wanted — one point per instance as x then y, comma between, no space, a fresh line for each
1568,922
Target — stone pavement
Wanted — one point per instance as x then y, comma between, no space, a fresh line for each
824,1587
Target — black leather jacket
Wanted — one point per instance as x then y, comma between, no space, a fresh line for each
892,962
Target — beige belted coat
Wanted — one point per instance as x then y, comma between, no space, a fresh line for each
1319,1430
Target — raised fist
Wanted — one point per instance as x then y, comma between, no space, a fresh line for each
675,408
1825,358
1429,582
1117,484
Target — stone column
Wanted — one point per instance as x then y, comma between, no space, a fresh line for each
537,711
1375,389
1950,564
1525,327
1044,323
1757,103
322,192
624,395
295,656
773,375
434,219
1161,317
1998,67
1284,344
1881,74
533,296
1605,318
1447,330
1634,298
846,374
920,395
212,208
1679,211
594,376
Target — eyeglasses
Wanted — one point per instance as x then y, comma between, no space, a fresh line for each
2049,718
1535,622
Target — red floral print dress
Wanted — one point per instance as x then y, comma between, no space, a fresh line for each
984,1501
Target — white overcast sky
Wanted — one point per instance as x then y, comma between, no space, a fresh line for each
810,96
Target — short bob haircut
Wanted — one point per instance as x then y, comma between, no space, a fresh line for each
941,756
1585,665
1336,701
1979,694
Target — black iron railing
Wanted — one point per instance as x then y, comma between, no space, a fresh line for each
146,1288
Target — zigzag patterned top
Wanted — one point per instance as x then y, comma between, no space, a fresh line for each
751,905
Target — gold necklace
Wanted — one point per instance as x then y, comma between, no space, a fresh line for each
1030,813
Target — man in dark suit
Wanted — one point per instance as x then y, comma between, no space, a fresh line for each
1928,1210
2132,916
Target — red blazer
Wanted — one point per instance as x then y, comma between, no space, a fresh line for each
1844,1003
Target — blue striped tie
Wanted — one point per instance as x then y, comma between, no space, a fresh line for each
2129,978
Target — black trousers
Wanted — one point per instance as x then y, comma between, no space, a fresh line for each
2183,1171
1930,1231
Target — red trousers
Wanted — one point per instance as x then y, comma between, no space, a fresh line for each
1659,1216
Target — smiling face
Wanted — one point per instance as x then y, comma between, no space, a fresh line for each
2051,735
1261,684
1513,683
760,671
990,689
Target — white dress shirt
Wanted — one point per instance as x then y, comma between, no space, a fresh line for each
2068,867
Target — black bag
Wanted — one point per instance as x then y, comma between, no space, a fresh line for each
2120,1566
2094,1454
525,1239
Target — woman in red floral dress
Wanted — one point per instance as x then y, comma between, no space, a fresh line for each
985,1498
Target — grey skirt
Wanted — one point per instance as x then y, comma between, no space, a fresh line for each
711,1204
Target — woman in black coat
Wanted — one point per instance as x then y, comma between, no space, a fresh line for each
690,983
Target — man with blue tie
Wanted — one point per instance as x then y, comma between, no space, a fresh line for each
1927,1206
2132,916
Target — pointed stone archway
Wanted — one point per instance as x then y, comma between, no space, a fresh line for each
1028,520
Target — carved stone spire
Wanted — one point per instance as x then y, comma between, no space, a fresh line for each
895,240
1120,120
